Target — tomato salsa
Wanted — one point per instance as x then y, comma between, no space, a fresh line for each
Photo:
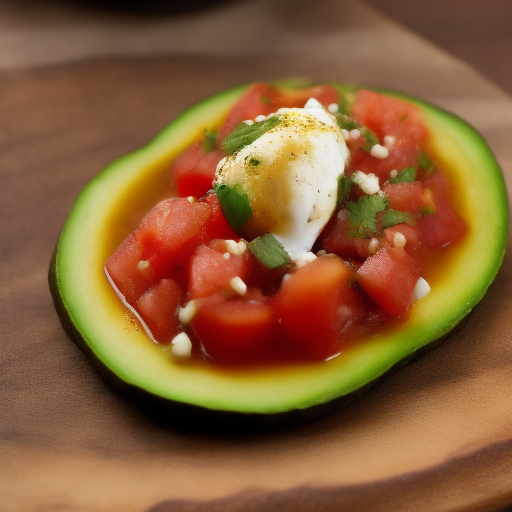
225,272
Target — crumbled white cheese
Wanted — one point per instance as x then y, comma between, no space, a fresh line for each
399,239
248,122
345,133
191,199
393,173
226,255
305,258
187,312
379,151
143,264
368,183
235,248
333,108
355,134
421,289
388,140
373,246
260,118
181,346
238,285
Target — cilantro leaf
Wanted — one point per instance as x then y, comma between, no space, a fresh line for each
235,205
269,251
362,214
370,137
345,122
209,142
344,188
245,134
406,175
394,217
425,162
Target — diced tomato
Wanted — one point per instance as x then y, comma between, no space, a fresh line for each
264,99
405,197
316,305
411,234
194,170
216,226
211,272
256,101
389,278
241,330
336,238
324,94
390,116
442,227
170,232
131,275
401,156
158,307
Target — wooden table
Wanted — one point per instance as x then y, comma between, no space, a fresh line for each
79,88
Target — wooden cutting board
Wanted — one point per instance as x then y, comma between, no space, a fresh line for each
436,435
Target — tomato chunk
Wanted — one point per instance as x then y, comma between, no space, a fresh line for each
194,170
124,267
170,232
389,278
211,272
405,197
442,227
158,307
241,330
316,305
390,116
337,239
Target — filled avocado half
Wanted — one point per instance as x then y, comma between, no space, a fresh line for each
113,203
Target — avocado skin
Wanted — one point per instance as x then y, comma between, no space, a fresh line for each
202,418
189,417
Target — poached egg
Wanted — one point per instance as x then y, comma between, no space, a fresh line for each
290,175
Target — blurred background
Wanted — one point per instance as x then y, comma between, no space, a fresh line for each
476,31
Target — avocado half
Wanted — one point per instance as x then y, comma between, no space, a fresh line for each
113,203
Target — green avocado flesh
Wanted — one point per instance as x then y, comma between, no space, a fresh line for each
113,204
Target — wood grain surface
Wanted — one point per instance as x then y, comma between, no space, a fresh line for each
437,435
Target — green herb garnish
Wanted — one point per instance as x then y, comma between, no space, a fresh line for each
235,205
254,162
394,217
345,122
425,162
407,175
362,214
370,137
245,134
344,188
269,251
209,142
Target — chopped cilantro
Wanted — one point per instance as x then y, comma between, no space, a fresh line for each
346,95
345,122
245,134
406,175
254,161
425,162
344,188
362,214
235,205
403,117
209,142
394,217
265,99
269,251
370,137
